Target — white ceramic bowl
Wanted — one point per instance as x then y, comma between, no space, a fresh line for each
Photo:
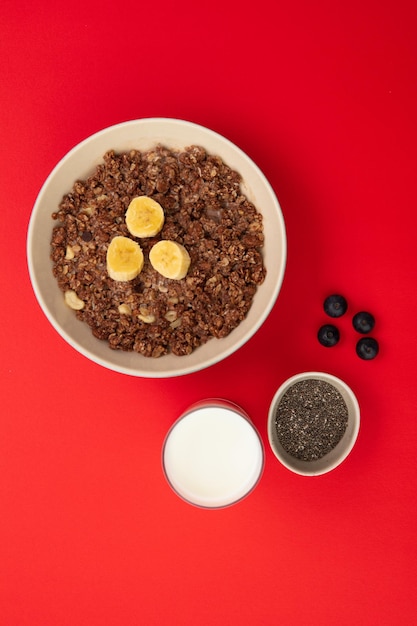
79,163
339,453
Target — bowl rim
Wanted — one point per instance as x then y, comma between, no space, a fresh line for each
184,367
309,468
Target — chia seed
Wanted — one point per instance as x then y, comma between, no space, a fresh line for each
311,418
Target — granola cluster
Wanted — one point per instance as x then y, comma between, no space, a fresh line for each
205,210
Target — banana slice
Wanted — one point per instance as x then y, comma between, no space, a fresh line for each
124,259
170,259
144,217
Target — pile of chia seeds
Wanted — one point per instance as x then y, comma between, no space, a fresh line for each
311,418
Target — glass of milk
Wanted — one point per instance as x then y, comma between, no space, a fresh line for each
213,456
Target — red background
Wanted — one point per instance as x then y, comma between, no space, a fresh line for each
323,96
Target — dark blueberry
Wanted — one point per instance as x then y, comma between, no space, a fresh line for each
363,322
335,305
367,348
328,335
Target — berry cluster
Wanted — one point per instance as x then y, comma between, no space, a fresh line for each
363,322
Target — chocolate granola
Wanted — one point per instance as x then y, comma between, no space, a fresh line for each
205,210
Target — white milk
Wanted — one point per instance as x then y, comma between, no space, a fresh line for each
213,456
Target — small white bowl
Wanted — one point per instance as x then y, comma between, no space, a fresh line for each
78,164
339,453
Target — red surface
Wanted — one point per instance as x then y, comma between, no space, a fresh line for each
323,96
